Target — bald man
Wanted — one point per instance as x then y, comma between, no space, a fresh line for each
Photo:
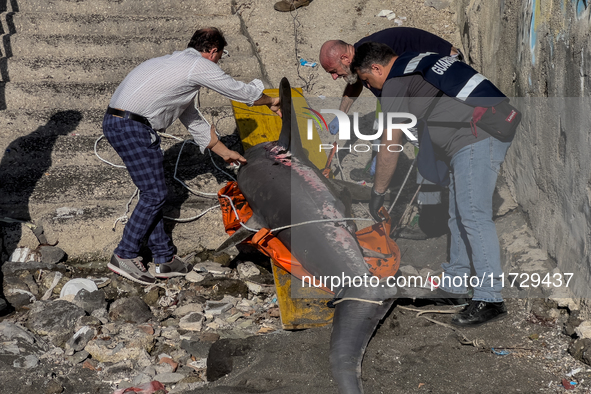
336,55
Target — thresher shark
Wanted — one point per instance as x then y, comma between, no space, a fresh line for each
283,188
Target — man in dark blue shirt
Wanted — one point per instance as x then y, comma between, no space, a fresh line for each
336,55
473,157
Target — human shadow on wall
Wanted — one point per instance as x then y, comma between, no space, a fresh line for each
25,161
6,46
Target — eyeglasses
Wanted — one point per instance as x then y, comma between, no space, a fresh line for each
225,54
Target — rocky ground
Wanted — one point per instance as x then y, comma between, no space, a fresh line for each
218,329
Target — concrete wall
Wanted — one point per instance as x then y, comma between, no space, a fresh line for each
539,52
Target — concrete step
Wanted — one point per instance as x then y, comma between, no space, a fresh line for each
82,70
108,46
83,123
87,230
125,7
65,60
120,25
78,96
66,183
58,175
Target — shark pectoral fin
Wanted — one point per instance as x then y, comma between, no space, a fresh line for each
235,239
241,234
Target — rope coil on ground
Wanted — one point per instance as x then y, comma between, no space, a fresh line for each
464,340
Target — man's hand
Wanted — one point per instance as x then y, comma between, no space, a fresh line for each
233,157
275,105
375,203
218,147
333,126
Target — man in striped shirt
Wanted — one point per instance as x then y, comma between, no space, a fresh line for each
151,97
473,157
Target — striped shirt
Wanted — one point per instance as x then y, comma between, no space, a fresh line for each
163,89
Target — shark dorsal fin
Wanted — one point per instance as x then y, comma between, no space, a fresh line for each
290,134
285,96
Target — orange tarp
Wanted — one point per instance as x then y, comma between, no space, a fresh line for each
375,238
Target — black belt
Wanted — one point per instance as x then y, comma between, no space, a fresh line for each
128,115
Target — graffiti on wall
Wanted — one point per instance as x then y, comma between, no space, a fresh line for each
580,6
542,14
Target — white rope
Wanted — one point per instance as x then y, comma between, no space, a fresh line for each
216,166
367,211
123,219
100,158
187,220
357,299
403,183
174,137
341,171
318,221
176,166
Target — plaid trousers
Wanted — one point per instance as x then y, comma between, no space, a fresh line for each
139,147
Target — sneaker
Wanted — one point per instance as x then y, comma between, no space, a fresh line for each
442,297
479,312
176,267
360,174
132,269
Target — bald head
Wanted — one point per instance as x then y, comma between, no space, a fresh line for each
335,57
331,51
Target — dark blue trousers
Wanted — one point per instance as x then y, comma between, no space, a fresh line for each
139,147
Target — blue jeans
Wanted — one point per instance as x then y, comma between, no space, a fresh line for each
474,171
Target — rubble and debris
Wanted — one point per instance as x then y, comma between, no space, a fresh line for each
192,322
178,332
195,277
54,319
129,343
132,309
584,330
581,350
73,286
146,388
90,301
569,385
67,212
23,255
247,270
386,13
212,268
51,254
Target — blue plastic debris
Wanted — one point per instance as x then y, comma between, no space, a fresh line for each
307,63
500,352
